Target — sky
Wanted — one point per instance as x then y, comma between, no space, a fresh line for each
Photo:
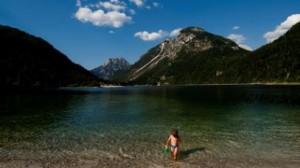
91,31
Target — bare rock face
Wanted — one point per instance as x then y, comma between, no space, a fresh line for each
113,66
192,39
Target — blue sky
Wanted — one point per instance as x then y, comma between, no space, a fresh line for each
91,31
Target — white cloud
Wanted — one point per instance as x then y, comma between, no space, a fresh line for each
155,4
138,3
111,13
99,17
175,32
282,28
236,28
240,40
114,5
111,32
150,36
147,36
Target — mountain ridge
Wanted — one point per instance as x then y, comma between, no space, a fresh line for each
28,61
278,61
190,41
195,56
199,57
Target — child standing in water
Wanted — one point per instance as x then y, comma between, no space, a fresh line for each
173,141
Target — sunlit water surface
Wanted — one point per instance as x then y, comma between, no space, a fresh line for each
221,126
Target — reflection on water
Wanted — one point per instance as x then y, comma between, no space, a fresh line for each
240,125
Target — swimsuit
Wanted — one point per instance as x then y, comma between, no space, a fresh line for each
173,147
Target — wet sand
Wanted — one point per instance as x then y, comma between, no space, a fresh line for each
192,158
119,162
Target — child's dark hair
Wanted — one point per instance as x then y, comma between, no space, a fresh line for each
175,133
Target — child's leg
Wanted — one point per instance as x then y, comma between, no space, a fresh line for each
172,152
175,152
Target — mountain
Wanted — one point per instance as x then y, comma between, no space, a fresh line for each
278,61
111,69
194,56
27,61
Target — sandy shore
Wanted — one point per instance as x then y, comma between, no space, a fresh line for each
100,159
118,163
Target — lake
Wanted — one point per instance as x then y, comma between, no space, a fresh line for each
221,126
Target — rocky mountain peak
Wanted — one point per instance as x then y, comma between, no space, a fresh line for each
117,63
192,29
112,66
192,39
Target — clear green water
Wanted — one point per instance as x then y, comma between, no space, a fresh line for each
241,125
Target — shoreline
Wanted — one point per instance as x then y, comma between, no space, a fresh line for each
242,84
63,88
181,85
212,84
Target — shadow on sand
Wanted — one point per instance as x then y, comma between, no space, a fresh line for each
184,154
